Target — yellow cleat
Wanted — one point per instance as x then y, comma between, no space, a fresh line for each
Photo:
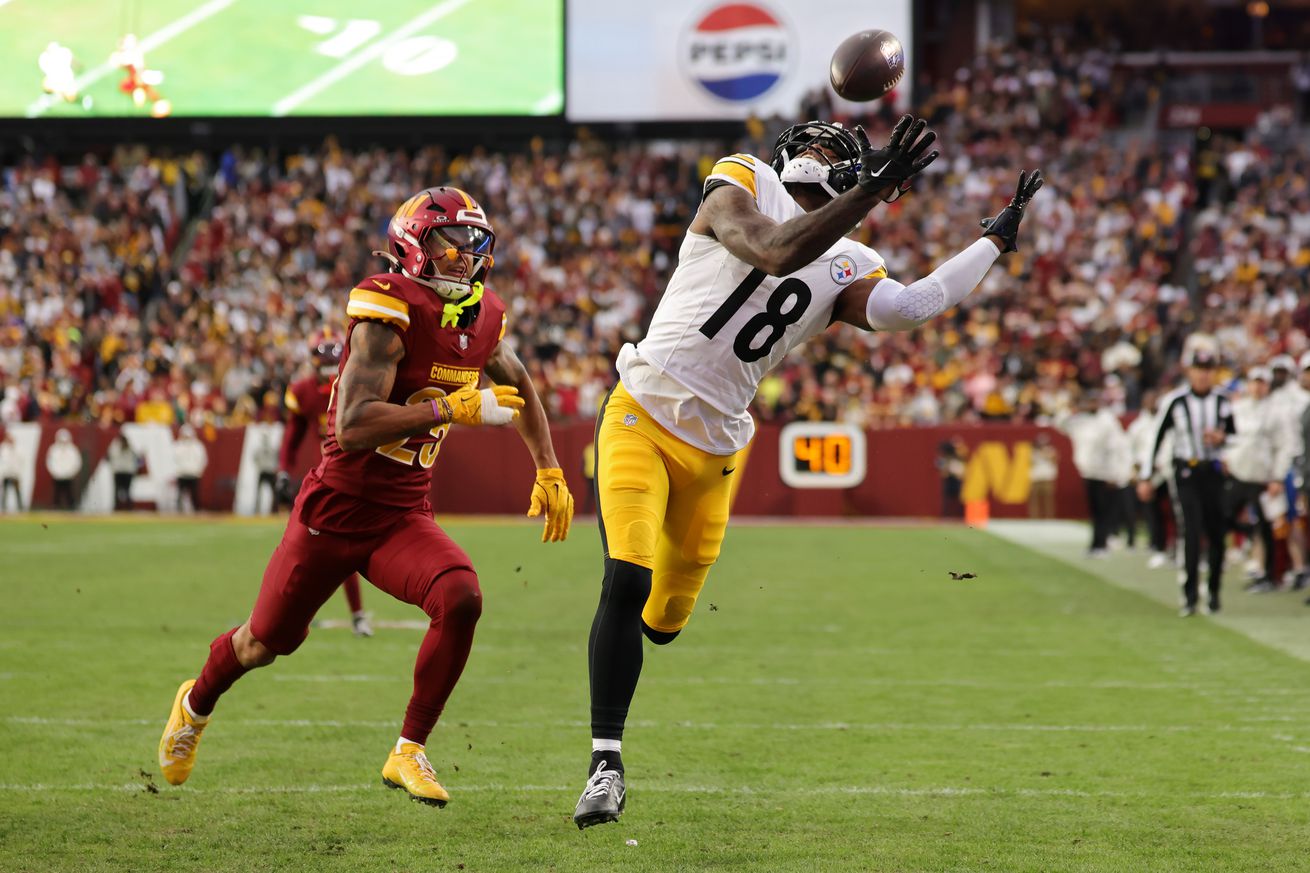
410,770
177,747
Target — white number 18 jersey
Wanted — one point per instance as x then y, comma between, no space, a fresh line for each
722,325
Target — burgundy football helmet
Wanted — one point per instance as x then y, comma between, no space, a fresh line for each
429,233
325,350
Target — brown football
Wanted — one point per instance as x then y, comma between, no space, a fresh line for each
867,65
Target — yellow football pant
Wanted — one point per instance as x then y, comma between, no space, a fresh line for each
663,505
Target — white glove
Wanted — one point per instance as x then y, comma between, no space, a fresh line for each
493,412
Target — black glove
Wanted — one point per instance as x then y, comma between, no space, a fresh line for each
282,488
1006,223
896,163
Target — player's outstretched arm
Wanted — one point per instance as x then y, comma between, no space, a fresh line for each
550,493
885,304
735,220
292,436
365,420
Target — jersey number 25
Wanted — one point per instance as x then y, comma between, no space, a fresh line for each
427,453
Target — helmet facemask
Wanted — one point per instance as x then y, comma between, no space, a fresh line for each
451,260
818,153
327,357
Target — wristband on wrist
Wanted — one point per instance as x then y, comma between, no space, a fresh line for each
441,410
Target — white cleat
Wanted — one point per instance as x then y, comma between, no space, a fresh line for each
359,622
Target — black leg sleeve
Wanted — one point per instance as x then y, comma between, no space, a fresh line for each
614,650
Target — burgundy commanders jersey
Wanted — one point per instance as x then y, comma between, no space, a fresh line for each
308,398
307,401
437,360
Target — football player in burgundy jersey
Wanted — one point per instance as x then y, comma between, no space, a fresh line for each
419,340
307,401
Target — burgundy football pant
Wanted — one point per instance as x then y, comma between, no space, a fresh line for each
351,587
412,560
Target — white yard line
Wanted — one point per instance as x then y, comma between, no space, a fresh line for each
375,50
657,788
151,42
816,681
1272,731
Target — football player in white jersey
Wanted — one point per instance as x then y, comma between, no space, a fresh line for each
764,267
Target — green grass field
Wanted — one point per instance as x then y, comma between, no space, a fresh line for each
296,57
838,703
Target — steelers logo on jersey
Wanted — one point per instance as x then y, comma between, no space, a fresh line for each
842,269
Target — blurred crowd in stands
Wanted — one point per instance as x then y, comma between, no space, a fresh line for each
137,286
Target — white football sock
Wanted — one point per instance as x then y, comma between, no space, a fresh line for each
606,745
186,704
400,742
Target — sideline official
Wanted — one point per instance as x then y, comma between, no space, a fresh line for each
1200,417
1253,471
1102,455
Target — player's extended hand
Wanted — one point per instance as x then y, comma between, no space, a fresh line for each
499,404
1006,223
888,171
550,493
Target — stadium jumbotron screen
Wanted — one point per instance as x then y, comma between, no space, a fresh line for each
138,58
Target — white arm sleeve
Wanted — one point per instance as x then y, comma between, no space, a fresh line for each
893,306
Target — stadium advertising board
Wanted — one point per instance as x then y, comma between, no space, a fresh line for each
802,469
710,59
246,58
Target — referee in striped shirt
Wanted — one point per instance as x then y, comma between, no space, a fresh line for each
1201,419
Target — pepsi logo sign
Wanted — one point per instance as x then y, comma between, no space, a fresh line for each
738,51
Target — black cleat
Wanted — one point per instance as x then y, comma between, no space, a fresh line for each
602,800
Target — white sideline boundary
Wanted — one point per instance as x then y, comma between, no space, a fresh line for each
656,788
1285,629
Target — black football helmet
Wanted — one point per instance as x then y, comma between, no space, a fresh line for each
834,166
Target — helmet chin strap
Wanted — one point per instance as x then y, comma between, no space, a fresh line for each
451,312
453,309
805,170
395,262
